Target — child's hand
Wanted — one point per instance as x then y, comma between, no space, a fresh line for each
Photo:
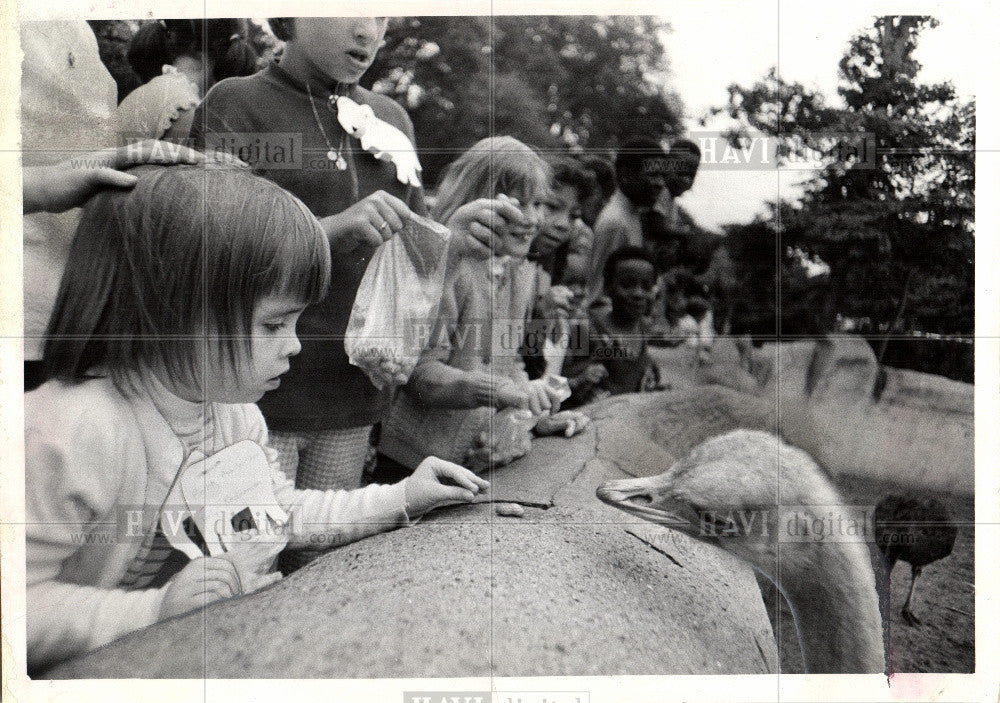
567,422
480,389
66,185
427,489
544,396
556,302
369,221
253,553
595,373
538,396
204,580
479,221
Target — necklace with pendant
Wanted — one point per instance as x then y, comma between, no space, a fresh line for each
334,155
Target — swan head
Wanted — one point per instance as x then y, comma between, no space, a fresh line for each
765,501
738,492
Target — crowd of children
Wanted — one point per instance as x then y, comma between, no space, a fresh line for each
193,365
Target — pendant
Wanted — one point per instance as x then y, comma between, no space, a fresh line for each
341,163
332,155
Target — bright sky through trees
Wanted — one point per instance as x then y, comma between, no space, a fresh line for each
715,44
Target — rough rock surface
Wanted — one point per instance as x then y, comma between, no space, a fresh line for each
571,588
827,397
574,587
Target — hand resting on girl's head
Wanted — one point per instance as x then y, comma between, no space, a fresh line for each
65,185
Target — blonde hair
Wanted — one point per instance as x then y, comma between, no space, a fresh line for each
492,166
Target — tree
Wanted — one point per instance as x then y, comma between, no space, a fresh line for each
553,82
896,224
755,304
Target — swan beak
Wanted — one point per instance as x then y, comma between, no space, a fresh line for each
651,499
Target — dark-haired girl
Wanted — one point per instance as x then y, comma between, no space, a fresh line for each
150,486
178,61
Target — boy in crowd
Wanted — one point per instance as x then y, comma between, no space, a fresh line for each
562,249
604,176
639,167
684,298
618,360
683,160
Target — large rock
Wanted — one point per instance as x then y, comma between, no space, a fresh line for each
916,430
572,588
828,397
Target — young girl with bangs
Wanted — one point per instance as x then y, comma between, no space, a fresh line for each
150,485
324,416
473,366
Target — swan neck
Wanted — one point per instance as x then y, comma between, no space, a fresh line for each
836,612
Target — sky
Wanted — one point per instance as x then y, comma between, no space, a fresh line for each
715,44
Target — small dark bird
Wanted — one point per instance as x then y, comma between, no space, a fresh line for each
918,531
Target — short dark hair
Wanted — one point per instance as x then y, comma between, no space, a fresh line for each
604,173
282,27
567,171
181,255
626,253
680,153
164,41
639,155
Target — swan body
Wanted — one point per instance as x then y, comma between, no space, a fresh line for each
770,504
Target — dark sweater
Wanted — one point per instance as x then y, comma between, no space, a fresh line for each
322,390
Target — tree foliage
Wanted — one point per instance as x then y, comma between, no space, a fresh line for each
553,82
757,306
896,228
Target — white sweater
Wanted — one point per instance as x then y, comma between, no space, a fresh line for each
91,453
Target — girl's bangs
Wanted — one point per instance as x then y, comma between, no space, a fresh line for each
518,171
301,265
293,253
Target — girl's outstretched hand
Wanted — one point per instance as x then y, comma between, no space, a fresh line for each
477,222
203,581
253,553
437,482
69,184
546,394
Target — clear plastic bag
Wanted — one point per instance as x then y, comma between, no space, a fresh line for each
397,302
